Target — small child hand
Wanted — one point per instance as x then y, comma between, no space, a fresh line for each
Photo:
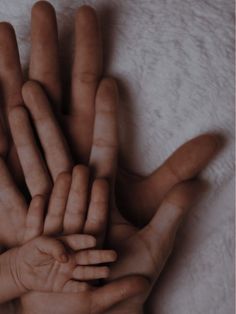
44,264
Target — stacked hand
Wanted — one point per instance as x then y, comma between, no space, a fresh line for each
158,202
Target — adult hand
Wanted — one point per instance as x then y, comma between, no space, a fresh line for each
44,67
186,163
86,74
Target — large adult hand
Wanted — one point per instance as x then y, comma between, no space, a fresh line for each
144,251
44,67
87,68
184,164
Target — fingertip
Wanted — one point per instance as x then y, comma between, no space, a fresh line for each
64,179
7,38
92,242
114,256
85,241
81,171
6,29
212,142
100,186
38,201
41,8
30,88
109,82
85,14
218,140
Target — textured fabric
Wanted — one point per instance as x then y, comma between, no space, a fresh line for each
174,63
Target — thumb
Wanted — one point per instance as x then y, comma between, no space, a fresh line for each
143,194
119,290
53,248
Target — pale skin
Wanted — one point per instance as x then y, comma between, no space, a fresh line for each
138,197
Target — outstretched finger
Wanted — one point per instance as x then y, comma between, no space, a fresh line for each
184,164
44,58
35,172
86,72
103,156
53,142
90,272
79,241
11,81
93,257
76,208
35,218
10,69
57,204
87,65
97,217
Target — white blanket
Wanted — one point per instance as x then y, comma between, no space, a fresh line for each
174,61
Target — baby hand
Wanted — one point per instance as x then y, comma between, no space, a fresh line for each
44,264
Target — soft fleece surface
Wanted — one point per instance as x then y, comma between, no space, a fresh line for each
174,60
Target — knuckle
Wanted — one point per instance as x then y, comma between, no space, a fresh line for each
104,143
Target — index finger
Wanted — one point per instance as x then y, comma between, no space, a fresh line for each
56,150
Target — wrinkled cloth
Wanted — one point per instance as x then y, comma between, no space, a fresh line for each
174,63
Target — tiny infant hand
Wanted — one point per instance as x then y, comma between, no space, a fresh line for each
53,265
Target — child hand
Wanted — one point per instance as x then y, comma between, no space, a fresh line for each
44,264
